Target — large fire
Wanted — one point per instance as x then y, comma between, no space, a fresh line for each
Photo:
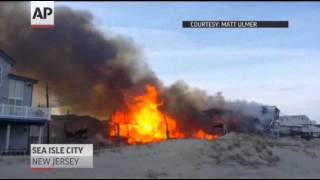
144,122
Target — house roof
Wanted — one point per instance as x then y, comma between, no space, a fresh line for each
295,117
22,78
7,58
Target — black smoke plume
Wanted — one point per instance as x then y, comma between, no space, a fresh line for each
88,71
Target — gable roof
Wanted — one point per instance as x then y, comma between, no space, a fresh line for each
22,78
7,58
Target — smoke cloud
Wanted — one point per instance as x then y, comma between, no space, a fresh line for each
89,71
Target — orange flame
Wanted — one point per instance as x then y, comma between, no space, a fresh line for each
144,122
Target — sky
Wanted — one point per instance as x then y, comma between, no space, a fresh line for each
274,66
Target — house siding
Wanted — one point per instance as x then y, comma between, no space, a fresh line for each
19,138
27,96
4,85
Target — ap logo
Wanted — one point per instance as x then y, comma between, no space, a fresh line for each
42,14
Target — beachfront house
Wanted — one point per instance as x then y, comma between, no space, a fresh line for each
17,116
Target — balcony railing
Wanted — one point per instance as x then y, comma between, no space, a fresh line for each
24,112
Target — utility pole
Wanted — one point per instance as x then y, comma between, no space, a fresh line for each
118,133
167,127
47,103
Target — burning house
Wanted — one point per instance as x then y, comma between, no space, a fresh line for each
251,118
17,115
144,122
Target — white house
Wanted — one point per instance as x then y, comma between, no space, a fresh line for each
299,125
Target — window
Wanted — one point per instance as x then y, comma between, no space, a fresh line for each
264,110
16,89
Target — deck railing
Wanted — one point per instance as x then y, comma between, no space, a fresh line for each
24,112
